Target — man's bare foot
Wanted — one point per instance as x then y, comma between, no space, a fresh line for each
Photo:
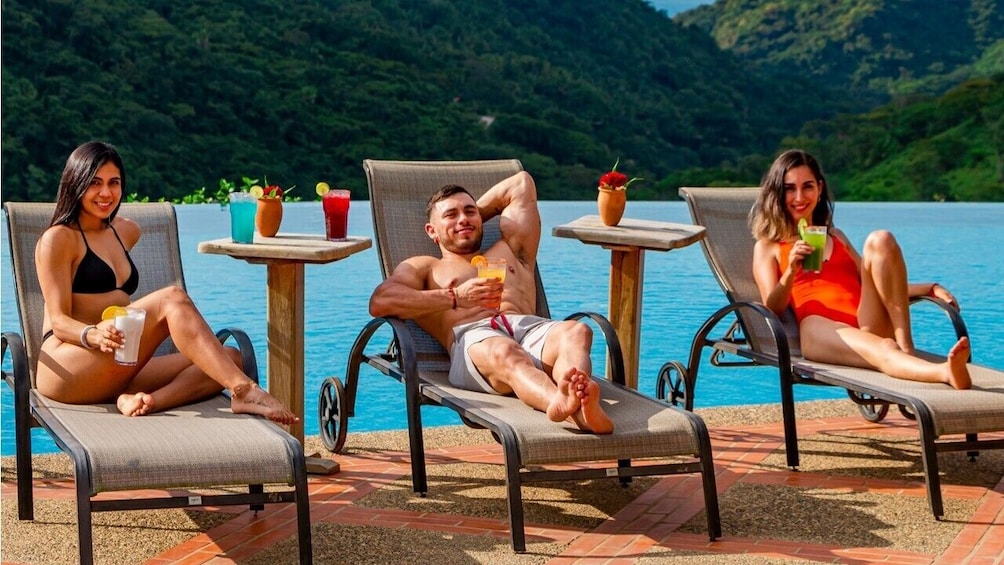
591,417
565,401
135,404
249,398
958,372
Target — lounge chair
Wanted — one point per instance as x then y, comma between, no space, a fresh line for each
644,427
197,446
756,336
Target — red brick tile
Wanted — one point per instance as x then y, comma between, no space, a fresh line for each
238,553
886,555
179,552
230,541
274,536
687,541
196,558
638,547
954,555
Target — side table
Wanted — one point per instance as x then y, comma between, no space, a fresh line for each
627,243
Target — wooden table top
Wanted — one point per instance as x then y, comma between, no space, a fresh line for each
292,247
644,234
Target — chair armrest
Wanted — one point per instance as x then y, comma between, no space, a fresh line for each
953,314
20,379
401,350
613,344
406,351
248,359
774,325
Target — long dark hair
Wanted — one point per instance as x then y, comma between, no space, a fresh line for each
81,166
769,219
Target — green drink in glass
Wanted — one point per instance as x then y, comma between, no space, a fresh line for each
816,237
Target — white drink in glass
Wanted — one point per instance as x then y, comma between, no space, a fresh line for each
132,326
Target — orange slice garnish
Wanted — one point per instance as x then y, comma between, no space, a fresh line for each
479,261
113,312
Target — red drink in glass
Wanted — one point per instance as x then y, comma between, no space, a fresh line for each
336,214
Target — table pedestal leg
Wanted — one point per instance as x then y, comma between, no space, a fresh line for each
285,338
285,350
626,270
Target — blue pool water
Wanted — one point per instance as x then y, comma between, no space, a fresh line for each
956,244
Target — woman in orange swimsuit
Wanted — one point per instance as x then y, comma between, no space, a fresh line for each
856,310
84,267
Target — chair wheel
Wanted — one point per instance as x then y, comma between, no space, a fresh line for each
870,412
665,382
906,412
332,414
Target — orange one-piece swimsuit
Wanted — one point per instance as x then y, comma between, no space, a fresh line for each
833,293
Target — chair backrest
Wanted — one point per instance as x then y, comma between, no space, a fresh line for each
728,248
399,191
157,256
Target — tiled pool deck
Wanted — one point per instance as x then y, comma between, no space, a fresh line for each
858,498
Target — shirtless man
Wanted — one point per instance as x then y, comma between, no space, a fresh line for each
543,362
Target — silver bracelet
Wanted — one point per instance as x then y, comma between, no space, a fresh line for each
83,336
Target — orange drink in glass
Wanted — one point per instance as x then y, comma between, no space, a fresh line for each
493,268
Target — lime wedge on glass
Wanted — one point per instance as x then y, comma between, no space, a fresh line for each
802,224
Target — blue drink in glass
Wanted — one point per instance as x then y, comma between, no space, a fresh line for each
242,211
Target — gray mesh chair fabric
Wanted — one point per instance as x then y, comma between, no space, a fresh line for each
940,410
200,445
644,428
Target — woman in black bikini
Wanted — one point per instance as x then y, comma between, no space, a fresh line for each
84,267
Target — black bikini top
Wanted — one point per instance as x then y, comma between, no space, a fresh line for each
94,276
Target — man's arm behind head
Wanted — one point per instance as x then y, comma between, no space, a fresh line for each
515,200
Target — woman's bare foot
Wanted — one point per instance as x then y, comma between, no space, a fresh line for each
565,401
591,417
249,398
135,404
958,372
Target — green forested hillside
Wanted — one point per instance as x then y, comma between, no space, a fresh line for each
945,148
922,143
191,91
872,48
949,147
